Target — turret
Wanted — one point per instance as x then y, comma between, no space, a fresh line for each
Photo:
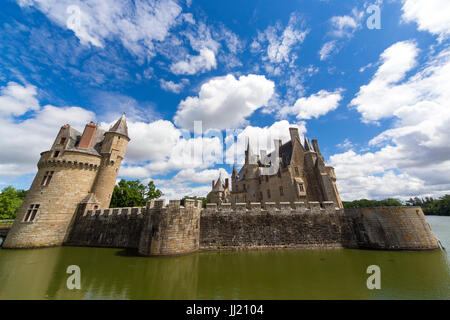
112,152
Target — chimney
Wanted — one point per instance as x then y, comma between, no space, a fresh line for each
88,135
315,145
226,183
294,134
212,184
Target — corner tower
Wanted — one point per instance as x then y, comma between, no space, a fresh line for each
113,151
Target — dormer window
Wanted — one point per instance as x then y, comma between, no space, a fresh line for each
56,154
62,141
296,171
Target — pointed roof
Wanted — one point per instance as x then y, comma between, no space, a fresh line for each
219,184
234,171
120,126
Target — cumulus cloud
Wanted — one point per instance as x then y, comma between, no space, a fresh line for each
24,139
225,102
136,24
412,157
430,15
314,106
395,61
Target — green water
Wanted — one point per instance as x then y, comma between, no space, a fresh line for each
270,274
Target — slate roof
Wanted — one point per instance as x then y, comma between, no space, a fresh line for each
120,126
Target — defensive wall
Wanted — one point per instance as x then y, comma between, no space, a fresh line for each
159,229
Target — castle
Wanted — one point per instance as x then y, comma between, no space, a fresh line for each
285,199
78,167
297,173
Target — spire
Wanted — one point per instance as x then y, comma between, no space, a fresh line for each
234,174
219,184
120,126
248,153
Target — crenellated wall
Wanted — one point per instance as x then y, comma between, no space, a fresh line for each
172,229
271,225
115,227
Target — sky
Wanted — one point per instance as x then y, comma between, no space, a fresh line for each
368,79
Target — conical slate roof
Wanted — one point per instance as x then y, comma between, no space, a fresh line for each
120,126
219,184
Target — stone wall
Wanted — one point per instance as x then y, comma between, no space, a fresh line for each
115,228
389,228
271,225
171,230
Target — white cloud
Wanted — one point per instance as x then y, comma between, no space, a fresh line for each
327,49
395,61
412,157
137,24
345,26
172,86
314,106
280,42
430,15
24,139
205,61
225,102
16,99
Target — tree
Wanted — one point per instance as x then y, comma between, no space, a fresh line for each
364,203
10,202
203,199
133,193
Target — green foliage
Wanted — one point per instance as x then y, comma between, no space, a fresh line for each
430,206
364,203
203,199
133,193
10,202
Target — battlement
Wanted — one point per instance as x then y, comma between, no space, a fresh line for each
326,207
130,211
173,204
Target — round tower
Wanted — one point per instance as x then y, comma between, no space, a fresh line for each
112,153
65,176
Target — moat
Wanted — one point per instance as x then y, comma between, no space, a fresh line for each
268,274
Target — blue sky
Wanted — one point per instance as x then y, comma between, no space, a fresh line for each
376,99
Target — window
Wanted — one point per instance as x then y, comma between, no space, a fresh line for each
47,177
302,189
245,187
268,193
237,188
62,141
56,154
267,178
245,198
296,171
237,199
31,213
281,191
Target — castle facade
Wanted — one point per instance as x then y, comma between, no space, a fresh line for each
292,172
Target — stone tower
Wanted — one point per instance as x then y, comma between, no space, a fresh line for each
74,169
113,151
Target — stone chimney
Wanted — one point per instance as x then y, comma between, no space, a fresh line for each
315,145
88,135
294,134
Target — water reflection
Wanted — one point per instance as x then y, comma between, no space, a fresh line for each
272,274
